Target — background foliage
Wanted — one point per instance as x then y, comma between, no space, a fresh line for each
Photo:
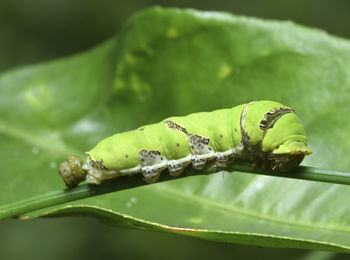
57,49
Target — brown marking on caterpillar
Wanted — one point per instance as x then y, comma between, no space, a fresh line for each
149,159
175,126
223,161
98,164
245,137
141,129
270,118
199,146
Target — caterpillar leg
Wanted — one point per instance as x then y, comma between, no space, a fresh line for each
176,167
255,163
150,175
223,161
264,163
91,178
96,176
152,164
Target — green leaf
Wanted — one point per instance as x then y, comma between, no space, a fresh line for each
170,62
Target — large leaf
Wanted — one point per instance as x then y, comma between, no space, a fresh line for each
173,62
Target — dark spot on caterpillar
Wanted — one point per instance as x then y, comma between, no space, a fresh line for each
126,156
235,130
142,159
141,129
220,135
178,145
210,148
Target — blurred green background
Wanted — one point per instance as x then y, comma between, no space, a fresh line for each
32,31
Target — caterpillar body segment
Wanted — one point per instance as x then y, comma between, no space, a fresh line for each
264,131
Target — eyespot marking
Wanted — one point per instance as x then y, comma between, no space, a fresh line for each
270,118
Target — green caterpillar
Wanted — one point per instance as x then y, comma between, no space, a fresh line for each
265,132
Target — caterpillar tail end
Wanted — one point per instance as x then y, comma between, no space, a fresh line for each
72,171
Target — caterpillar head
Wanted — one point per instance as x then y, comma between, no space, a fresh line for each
287,143
72,171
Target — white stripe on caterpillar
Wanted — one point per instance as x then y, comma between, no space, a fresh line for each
174,166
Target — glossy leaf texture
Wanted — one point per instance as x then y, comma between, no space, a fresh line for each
169,62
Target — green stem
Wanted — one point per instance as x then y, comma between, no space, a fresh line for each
88,190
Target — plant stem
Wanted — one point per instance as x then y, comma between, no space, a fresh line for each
90,190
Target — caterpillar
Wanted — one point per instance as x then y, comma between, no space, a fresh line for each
264,132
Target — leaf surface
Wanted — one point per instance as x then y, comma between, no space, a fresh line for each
169,62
